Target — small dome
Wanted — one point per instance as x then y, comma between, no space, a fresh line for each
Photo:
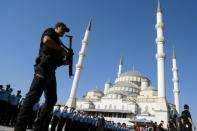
96,91
108,82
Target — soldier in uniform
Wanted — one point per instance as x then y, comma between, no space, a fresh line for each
6,106
63,118
187,119
51,55
13,105
56,117
2,103
100,123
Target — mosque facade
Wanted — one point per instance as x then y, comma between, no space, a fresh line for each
132,97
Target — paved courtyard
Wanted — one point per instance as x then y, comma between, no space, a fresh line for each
5,128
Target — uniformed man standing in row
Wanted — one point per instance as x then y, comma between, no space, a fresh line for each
13,103
4,103
63,119
56,117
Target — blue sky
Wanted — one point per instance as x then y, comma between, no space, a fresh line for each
120,28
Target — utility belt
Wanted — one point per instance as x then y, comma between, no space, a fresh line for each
51,61
45,65
43,61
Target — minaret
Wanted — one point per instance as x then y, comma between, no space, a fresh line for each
175,82
160,56
120,67
72,98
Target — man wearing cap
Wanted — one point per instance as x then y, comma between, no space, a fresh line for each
187,119
13,103
2,103
5,94
51,55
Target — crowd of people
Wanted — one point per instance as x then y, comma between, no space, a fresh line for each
61,118
183,122
74,120
9,105
70,119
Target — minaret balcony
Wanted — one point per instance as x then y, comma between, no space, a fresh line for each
85,42
159,40
79,66
159,25
175,80
176,91
175,69
82,54
160,55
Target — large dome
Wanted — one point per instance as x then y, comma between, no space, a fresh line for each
132,76
95,93
125,88
125,84
133,73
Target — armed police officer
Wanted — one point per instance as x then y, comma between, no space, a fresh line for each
51,55
187,119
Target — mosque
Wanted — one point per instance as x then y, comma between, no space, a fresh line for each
132,97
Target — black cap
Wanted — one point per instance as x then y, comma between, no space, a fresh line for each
8,85
62,25
186,106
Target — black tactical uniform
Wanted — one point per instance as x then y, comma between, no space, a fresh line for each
44,80
187,126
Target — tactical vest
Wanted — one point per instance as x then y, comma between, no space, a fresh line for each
49,58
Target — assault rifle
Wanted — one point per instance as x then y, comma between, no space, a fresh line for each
69,55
